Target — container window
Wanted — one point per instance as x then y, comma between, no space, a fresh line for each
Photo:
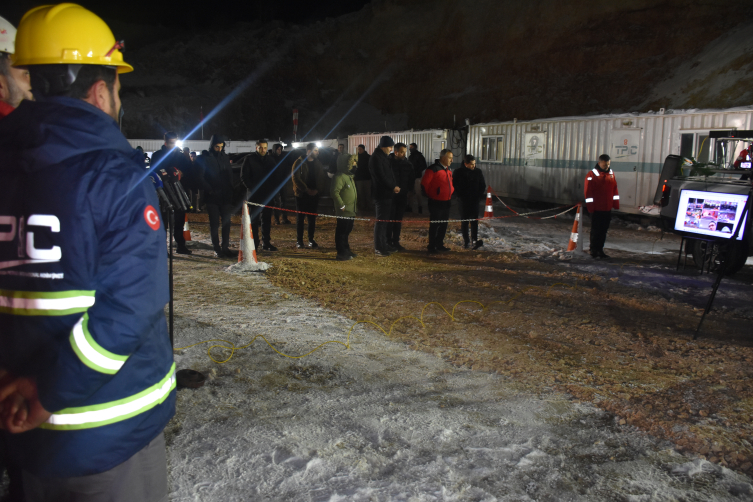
493,148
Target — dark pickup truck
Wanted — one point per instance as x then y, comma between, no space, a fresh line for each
705,202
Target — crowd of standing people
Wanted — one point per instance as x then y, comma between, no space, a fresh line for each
390,181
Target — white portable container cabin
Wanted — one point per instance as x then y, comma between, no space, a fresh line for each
429,142
547,159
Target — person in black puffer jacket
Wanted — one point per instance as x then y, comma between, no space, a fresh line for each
262,178
470,187
383,189
218,174
404,176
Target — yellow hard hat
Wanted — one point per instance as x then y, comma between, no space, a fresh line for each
66,34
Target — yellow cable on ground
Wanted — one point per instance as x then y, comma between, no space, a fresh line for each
232,348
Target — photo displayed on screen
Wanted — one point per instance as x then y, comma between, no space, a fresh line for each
709,213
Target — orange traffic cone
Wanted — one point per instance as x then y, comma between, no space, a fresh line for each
574,235
186,230
247,254
489,211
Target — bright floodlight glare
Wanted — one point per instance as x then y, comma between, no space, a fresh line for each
179,143
318,144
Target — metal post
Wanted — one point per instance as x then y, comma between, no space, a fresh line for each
579,248
723,266
170,229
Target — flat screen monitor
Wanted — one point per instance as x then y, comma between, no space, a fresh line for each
710,213
746,165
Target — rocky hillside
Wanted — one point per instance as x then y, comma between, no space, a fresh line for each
420,63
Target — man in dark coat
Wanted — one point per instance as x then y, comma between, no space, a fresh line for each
218,174
404,176
262,180
279,200
470,187
383,189
169,158
418,161
363,179
305,173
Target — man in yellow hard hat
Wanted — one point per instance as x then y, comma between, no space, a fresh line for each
87,378
15,85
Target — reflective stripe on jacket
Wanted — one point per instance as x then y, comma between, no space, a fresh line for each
601,190
83,288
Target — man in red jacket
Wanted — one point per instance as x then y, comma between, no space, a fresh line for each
437,184
601,197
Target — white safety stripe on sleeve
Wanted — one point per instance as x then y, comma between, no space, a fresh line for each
611,172
91,353
595,172
589,179
87,417
616,197
589,200
33,303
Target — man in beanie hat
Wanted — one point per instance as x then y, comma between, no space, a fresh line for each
15,84
383,189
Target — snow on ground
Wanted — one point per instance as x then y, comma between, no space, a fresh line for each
631,246
383,422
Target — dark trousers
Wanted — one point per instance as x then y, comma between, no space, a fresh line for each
178,221
399,203
469,208
383,208
217,212
142,477
263,216
342,231
307,204
279,201
438,210
599,226
15,474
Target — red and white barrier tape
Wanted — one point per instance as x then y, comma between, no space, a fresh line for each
354,218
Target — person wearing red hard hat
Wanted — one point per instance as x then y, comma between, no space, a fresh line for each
15,85
87,377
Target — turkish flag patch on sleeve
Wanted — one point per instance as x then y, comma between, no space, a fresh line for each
151,216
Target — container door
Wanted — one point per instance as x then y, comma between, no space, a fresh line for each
625,154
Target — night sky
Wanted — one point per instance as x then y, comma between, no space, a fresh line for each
193,12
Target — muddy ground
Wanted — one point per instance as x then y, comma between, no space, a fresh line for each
542,324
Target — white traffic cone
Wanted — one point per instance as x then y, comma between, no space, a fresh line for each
247,260
489,210
186,230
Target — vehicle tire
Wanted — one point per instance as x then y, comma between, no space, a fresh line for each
738,256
